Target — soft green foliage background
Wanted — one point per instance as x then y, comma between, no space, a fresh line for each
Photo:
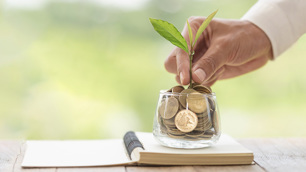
72,70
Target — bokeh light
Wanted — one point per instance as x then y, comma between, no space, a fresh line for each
93,69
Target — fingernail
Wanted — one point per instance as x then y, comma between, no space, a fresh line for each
181,77
200,74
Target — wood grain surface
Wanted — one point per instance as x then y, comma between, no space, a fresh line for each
270,155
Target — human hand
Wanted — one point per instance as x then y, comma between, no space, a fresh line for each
226,49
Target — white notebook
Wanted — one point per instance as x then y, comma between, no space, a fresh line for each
81,153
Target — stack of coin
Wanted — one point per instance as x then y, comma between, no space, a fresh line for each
188,114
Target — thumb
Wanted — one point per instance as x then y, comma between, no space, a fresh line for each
208,64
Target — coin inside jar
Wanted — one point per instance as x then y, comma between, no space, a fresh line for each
183,96
178,89
186,121
188,114
168,108
196,102
202,89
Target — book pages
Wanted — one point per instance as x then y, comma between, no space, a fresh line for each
75,153
226,145
226,152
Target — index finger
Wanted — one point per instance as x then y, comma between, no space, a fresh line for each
170,62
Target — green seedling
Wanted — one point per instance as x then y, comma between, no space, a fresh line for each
170,33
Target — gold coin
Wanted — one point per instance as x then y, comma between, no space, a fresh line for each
175,136
207,126
168,108
175,131
196,138
169,122
162,125
202,89
196,102
195,133
186,121
170,90
216,122
181,107
177,89
211,103
193,85
209,132
183,96
208,135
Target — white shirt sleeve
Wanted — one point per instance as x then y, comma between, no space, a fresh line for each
284,21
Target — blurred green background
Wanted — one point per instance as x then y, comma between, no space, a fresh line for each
92,70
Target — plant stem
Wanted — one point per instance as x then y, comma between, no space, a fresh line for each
190,73
190,66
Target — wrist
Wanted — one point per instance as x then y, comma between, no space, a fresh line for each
261,39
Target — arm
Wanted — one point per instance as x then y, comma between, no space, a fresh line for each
284,21
230,48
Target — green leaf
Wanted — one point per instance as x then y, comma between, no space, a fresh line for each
170,32
204,25
190,33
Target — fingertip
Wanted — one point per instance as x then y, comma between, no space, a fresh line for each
170,63
183,67
184,78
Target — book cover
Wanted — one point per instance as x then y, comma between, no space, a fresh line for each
81,153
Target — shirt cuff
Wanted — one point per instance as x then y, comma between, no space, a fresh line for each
274,22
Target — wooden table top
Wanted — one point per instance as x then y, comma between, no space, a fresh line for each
282,154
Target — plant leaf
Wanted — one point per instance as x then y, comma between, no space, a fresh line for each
170,32
203,26
190,34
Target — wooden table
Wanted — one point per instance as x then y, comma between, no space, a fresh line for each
270,155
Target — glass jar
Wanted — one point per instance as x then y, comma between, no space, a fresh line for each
187,120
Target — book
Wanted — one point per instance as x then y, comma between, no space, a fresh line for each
134,149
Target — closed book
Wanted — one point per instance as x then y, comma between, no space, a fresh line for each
134,149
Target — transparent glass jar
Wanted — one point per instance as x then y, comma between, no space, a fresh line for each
187,120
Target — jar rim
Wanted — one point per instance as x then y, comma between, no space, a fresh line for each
165,92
